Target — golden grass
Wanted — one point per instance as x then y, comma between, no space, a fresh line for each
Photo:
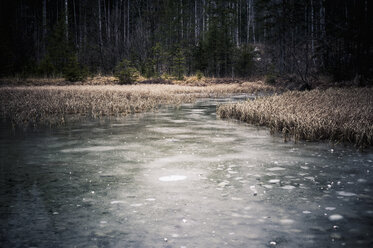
111,80
339,115
58,81
52,105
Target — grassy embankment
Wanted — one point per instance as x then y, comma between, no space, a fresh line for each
338,115
53,105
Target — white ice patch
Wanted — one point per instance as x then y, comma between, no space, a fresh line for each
136,205
289,187
116,202
223,184
274,181
276,169
286,221
236,199
306,212
330,208
172,178
344,193
267,186
335,217
149,199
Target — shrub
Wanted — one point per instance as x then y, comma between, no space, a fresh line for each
126,73
199,75
179,64
73,71
244,60
270,79
46,67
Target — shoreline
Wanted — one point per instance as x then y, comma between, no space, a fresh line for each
335,114
49,105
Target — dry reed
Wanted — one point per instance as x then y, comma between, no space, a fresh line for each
51,105
338,115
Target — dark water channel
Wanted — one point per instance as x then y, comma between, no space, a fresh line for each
180,177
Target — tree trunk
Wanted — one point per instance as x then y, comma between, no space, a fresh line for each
116,21
203,18
128,20
195,23
44,26
67,20
253,20
312,29
100,29
124,22
75,24
181,19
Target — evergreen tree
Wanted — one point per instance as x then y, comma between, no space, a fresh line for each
179,63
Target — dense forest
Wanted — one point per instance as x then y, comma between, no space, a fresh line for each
220,38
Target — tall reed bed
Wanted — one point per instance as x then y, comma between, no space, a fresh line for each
339,115
51,105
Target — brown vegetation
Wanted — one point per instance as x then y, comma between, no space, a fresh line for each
340,115
50,105
58,81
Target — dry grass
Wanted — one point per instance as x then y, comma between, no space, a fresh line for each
96,80
339,115
52,105
110,80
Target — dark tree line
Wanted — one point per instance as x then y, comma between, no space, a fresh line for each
216,37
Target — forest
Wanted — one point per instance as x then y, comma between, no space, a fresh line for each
306,39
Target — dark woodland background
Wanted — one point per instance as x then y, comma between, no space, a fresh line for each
220,38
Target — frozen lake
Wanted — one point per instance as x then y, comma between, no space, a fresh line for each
180,177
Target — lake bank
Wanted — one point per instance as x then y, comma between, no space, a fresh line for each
51,105
338,115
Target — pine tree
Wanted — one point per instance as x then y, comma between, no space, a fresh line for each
179,63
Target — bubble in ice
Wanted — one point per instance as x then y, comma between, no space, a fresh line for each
272,243
136,205
236,199
274,181
344,193
223,184
267,186
150,199
335,217
330,208
116,202
306,212
232,172
276,169
172,178
286,221
289,187
361,180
